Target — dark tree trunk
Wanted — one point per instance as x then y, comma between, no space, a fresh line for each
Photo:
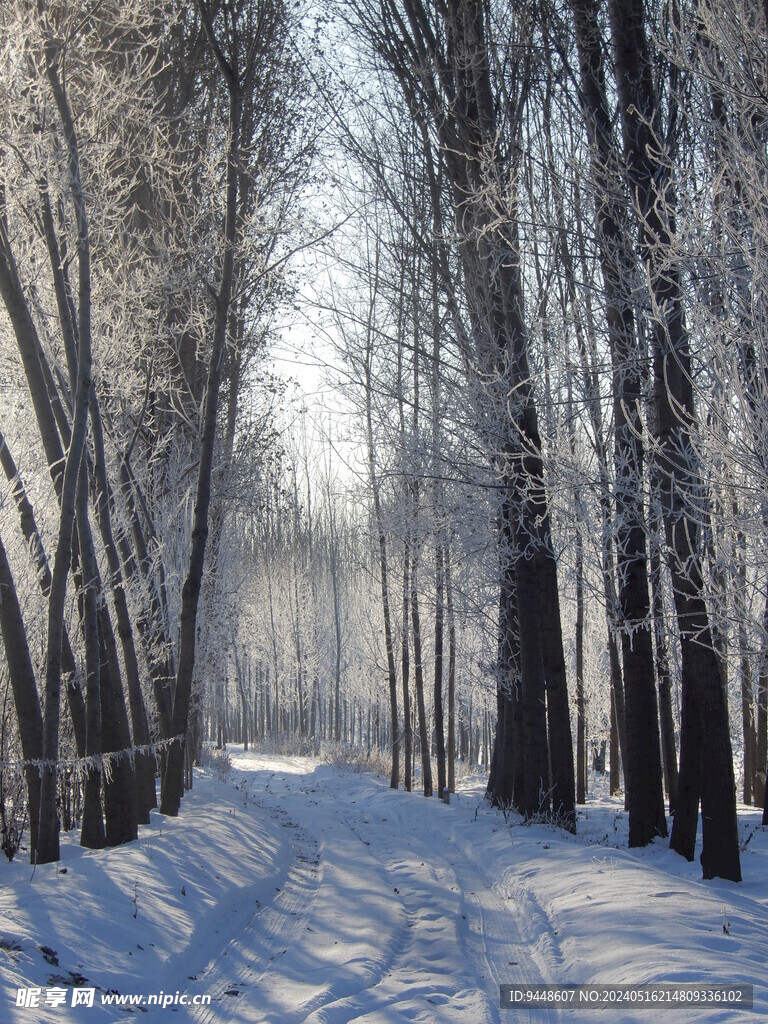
618,717
451,676
749,731
703,696
238,80
153,622
642,767
334,567
438,695
406,668
665,681
535,786
144,762
497,768
505,782
761,699
29,714
614,779
120,800
34,542
92,834
394,779
48,837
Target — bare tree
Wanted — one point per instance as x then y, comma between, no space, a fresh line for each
706,765
643,756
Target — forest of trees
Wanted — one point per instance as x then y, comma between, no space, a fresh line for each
525,515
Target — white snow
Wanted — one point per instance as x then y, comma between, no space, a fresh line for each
297,891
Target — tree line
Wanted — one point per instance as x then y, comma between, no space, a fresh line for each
151,158
563,229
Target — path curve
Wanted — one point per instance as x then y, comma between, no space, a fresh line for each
386,913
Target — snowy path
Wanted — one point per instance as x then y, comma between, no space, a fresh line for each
293,892
386,915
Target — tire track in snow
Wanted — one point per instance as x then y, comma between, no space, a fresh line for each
504,936
379,930
419,981
241,968
449,904
499,949
272,971
495,940
423,935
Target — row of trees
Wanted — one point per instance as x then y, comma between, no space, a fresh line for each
302,662
557,293
151,159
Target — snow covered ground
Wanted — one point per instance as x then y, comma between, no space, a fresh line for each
296,891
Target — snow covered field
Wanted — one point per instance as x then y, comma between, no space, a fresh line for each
296,891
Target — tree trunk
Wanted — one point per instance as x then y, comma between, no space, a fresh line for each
505,781
334,567
451,675
144,762
665,681
703,697
120,799
439,630
581,716
35,546
190,596
418,671
24,686
48,837
761,756
535,789
394,779
406,667
92,834
749,732
642,767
